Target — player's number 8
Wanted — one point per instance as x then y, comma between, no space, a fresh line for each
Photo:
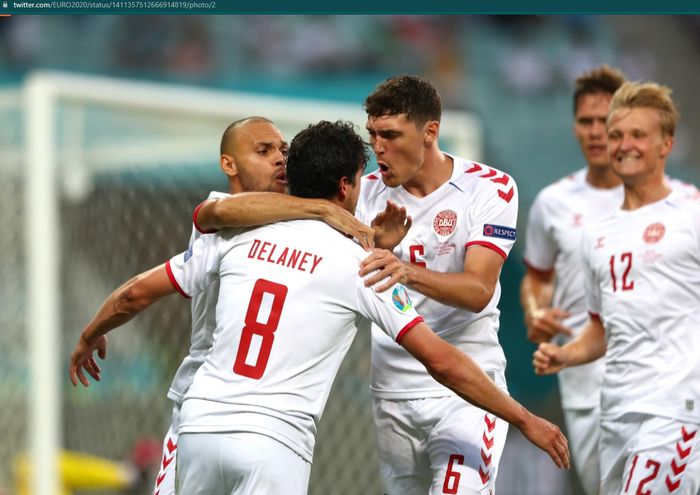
266,330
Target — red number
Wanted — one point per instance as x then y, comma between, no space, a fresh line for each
646,480
626,284
414,251
265,330
452,475
634,464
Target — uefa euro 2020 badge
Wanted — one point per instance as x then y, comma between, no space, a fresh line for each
400,298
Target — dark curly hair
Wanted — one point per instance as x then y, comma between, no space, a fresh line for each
410,95
321,155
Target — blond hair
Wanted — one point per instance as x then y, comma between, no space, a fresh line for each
647,95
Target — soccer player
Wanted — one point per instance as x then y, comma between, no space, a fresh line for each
642,278
252,156
464,224
290,302
552,292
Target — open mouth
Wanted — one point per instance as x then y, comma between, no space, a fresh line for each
281,178
382,167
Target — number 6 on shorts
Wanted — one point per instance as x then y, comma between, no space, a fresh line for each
266,331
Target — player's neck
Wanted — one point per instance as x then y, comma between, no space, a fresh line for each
602,178
436,170
644,192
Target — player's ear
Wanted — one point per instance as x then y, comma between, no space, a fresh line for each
430,132
228,165
666,146
344,186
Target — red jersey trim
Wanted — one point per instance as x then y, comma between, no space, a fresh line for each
415,321
594,316
194,219
487,245
542,271
169,271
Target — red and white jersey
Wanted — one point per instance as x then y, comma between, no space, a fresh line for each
642,276
290,303
556,222
203,307
478,206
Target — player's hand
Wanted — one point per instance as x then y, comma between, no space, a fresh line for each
380,265
548,359
391,226
545,323
549,438
344,221
83,359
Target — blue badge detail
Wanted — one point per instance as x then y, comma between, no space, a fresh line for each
400,298
499,231
188,254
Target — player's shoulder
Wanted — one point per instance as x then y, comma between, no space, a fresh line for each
372,185
218,195
683,189
563,189
480,179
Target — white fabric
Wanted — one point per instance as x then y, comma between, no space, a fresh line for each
649,454
583,432
478,206
202,309
165,479
239,464
438,445
290,303
642,275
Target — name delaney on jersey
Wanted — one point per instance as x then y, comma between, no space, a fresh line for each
285,256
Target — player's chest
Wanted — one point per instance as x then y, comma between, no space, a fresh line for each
643,254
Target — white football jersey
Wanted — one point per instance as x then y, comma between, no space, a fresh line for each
203,307
290,303
552,242
478,206
642,276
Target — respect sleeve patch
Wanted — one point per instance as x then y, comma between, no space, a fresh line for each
499,231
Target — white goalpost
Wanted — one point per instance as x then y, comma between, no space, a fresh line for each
111,170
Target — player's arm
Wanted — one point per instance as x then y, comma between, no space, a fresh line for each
471,289
260,208
460,373
122,305
542,321
587,347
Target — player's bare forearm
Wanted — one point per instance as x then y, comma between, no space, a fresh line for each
459,289
588,346
535,292
452,368
261,208
128,300
122,305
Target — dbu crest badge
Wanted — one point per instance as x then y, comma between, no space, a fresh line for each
445,223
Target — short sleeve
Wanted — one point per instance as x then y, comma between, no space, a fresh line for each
190,272
392,310
591,284
494,216
540,247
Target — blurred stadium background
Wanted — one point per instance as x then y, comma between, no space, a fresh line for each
128,177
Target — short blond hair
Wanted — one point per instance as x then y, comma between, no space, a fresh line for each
647,95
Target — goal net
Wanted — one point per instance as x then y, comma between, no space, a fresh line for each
98,181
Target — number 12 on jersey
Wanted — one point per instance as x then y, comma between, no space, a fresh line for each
625,267
265,331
